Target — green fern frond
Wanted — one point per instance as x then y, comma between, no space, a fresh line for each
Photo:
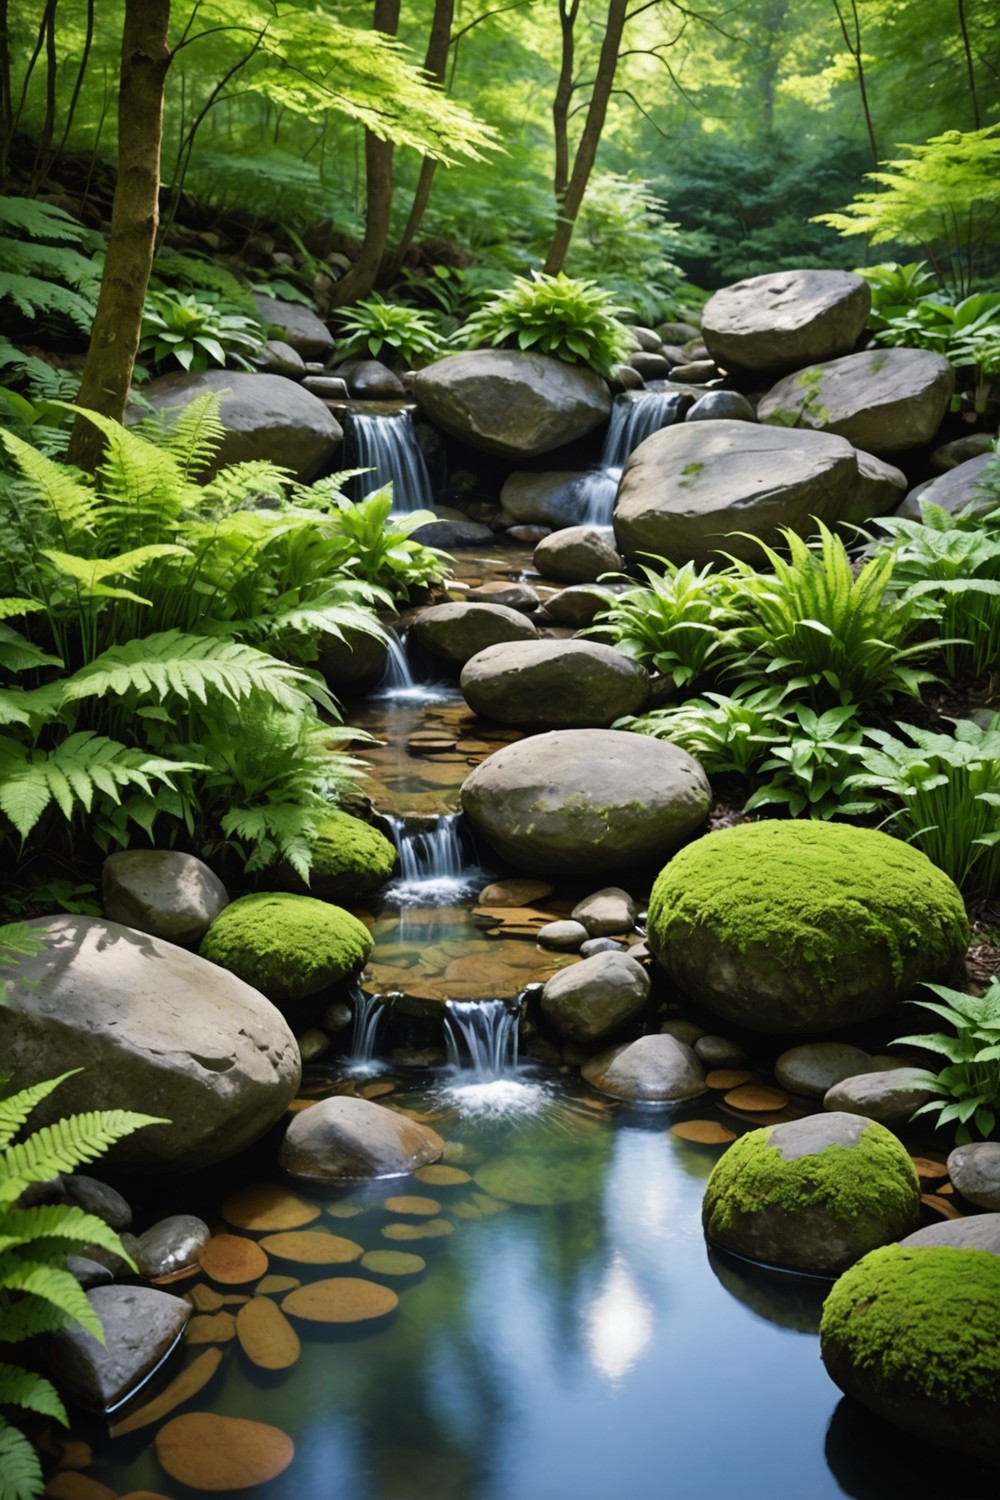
191,434
71,499
31,219
173,664
52,1285
20,1471
275,831
31,1392
18,654
12,607
35,298
15,1109
90,572
55,1227
67,1144
142,485
253,478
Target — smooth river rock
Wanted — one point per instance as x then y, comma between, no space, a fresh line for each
510,403
890,1095
141,1326
162,891
586,801
975,1171
594,997
785,320
814,1067
455,632
348,1140
577,554
655,1069
953,491
155,1029
560,684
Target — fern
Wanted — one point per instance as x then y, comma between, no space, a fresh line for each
15,1110
43,279
72,502
29,1391
20,1471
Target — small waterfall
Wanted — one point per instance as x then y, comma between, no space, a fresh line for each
635,416
387,444
481,1037
370,1012
432,866
398,683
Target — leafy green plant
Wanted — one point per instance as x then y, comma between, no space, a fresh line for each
895,288
679,623
196,332
624,242
966,332
948,788
378,544
50,265
827,634
37,1292
970,1085
809,771
377,327
726,734
573,320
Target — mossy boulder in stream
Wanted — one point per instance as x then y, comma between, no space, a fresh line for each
804,926
813,1194
914,1335
287,946
350,859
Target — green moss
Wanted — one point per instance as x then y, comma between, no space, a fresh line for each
926,1318
813,911
350,858
692,469
287,946
873,1181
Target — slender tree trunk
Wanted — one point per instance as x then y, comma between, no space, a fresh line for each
6,101
568,11
48,124
435,64
590,139
970,70
854,48
107,374
361,278
81,73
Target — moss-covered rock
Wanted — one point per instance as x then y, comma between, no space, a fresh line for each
350,858
812,1195
804,926
915,1336
287,946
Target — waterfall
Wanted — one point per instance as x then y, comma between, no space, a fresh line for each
369,1013
432,866
481,1037
387,444
398,682
635,416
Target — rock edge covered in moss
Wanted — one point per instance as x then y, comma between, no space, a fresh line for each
287,946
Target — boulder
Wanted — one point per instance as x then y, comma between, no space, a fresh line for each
542,499
596,996
452,533
609,910
171,895
688,492
141,1326
695,372
576,554
651,364
287,946
510,403
563,936
371,380
882,400
586,801
265,416
350,860
785,320
155,1029
307,334
813,1067
960,450
577,606
344,1139
353,663
954,490
914,1335
561,684
977,1232
326,387
719,1052
97,1198
877,491
651,1070
813,1194
889,1095
804,926
506,592
975,1171
719,406
456,632
281,359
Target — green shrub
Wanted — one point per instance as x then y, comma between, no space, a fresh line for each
379,328
970,1084
810,768
197,332
575,321
724,734
680,623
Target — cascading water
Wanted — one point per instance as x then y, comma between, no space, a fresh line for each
486,1080
635,416
432,865
370,1012
398,682
386,443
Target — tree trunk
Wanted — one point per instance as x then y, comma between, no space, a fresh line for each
970,70
586,151
107,374
564,92
361,278
435,64
855,51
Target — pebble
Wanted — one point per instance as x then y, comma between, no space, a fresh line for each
564,936
975,1171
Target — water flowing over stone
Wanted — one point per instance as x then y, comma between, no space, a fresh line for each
481,1036
386,443
635,416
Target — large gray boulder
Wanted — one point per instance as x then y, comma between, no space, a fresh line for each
155,1029
562,684
456,632
513,404
596,996
882,400
877,491
686,491
265,416
307,334
975,1171
586,801
654,1069
954,490
141,1327
349,1140
785,320
162,891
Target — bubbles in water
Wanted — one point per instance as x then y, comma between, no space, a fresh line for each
497,1099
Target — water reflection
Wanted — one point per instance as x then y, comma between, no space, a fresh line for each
618,1323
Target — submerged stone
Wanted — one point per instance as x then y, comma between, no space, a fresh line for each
345,1140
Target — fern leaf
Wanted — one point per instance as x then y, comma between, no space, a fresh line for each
20,1471
49,1283
191,434
56,1227
31,1392
72,500
34,297
18,654
15,1109
67,1144
41,221
11,607
143,486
